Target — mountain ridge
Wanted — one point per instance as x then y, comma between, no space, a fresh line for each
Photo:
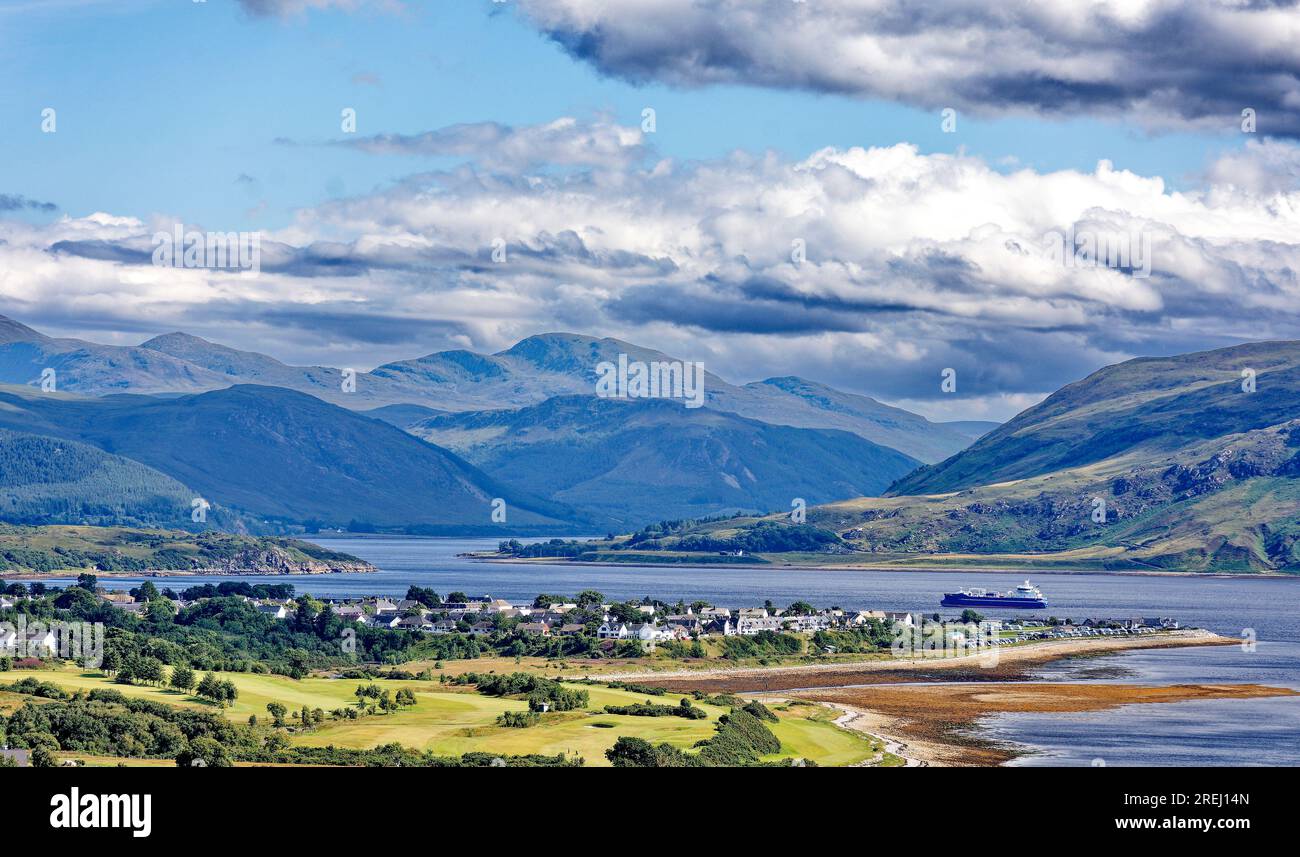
1182,463
286,456
642,461
530,371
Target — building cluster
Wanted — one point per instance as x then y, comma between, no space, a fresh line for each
484,615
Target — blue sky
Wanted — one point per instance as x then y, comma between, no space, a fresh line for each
164,106
778,124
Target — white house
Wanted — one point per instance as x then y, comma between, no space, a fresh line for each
612,631
721,627
904,619
41,642
275,611
350,612
748,627
415,623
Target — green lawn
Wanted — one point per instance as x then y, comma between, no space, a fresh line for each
806,732
454,721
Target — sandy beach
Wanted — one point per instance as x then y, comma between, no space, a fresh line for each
923,709
1010,665
930,724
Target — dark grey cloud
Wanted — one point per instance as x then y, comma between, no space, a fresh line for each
18,202
105,250
710,307
1176,63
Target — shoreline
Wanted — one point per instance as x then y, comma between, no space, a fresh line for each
218,572
874,725
907,569
938,725
1009,665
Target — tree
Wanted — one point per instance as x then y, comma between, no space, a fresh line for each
425,596
160,610
801,608
639,753
145,592
43,758
589,598
204,752
969,616
627,612
148,670
78,600
277,712
87,581
210,687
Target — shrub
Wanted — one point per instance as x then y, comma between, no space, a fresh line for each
519,719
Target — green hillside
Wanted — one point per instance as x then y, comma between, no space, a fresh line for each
631,463
285,456
1156,404
1162,464
46,480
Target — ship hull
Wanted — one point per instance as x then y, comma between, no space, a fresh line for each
958,599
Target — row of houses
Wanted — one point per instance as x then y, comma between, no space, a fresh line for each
483,615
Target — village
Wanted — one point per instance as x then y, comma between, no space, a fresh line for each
644,623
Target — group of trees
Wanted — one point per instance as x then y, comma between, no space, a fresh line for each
762,644
742,739
105,722
873,636
543,694
372,698
649,709
221,691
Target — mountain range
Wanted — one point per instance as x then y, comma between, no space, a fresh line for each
528,373
627,458
425,445
284,457
1188,463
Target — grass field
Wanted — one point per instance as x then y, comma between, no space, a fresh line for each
451,721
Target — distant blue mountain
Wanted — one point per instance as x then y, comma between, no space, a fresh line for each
286,456
628,463
528,373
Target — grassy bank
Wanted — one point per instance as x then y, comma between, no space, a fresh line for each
451,721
